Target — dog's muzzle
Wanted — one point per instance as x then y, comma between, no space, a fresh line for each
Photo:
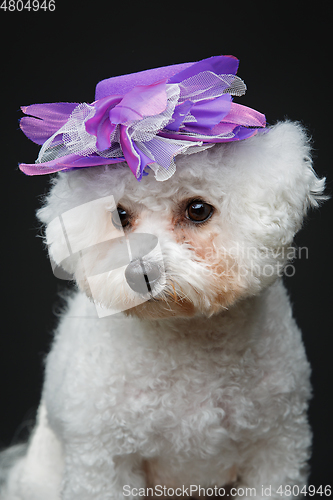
142,276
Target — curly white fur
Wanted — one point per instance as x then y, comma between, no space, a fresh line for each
205,384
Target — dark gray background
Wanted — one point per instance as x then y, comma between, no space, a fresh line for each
285,56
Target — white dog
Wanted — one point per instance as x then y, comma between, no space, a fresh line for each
177,365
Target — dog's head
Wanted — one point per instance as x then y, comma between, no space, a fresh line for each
220,229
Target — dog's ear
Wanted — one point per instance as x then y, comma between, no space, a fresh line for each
281,183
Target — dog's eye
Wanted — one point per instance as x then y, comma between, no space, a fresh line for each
123,217
199,211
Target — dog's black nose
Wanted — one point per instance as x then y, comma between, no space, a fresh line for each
142,276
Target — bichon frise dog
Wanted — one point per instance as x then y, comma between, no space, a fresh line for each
177,367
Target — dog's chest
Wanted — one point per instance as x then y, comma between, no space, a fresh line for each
177,394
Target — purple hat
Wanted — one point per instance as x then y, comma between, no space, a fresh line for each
144,118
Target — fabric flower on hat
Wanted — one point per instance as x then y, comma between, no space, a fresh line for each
145,119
